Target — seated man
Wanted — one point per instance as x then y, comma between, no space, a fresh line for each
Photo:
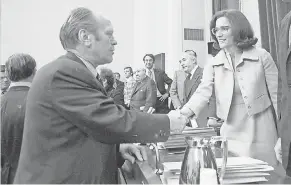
144,93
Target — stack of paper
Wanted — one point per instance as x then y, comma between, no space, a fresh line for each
238,170
178,140
244,170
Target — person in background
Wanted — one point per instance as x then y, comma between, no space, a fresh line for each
73,132
185,83
144,94
117,76
161,79
128,85
20,70
5,82
108,80
283,146
245,81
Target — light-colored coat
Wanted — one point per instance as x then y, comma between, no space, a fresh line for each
177,88
258,81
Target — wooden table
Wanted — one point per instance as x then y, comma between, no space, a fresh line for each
144,172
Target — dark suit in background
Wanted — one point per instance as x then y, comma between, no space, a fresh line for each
284,65
116,94
161,79
144,94
71,128
13,104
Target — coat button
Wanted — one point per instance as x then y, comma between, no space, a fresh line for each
249,107
238,70
245,97
156,136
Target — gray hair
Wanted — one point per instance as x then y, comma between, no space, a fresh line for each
79,18
20,66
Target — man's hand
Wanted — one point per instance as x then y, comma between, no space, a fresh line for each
150,111
131,152
177,121
278,150
164,97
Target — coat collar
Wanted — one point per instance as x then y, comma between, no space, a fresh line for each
250,54
140,84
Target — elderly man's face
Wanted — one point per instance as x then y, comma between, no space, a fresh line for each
102,46
139,74
187,62
5,82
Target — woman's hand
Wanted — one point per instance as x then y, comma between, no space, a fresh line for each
186,112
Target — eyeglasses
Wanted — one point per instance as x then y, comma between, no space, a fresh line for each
222,29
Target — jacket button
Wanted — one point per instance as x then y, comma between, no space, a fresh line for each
238,70
156,136
245,97
249,107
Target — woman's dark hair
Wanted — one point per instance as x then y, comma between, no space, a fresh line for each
242,30
20,66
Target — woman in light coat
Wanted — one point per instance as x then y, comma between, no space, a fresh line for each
245,80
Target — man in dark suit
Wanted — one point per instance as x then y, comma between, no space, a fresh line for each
20,70
144,92
283,146
72,130
161,79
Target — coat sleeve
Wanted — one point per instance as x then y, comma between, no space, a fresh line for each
174,92
151,95
203,93
212,105
167,80
78,99
271,75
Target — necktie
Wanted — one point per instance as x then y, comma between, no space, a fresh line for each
187,87
150,74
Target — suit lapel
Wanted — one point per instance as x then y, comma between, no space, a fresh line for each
73,57
195,77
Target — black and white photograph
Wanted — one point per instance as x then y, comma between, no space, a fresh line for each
145,91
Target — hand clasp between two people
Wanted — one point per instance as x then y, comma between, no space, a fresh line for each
177,121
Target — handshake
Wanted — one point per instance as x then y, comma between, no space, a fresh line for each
178,121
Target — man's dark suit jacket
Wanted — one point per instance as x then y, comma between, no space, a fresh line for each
116,95
71,128
284,101
161,79
144,94
12,120
189,90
